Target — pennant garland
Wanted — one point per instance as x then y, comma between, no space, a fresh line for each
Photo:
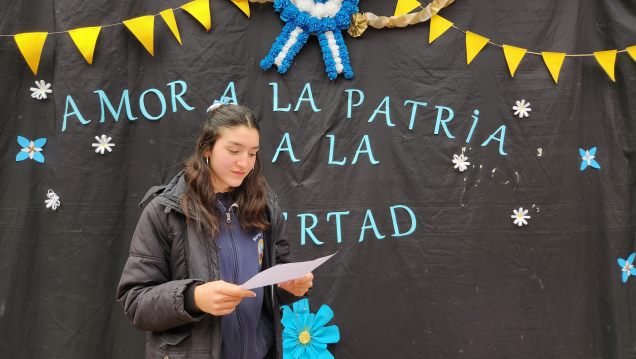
513,57
31,45
607,59
200,9
143,28
554,60
405,6
85,40
244,5
474,44
439,25
168,17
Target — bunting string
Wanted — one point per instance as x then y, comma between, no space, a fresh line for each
32,43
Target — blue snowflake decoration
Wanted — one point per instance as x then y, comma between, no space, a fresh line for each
31,149
305,334
325,18
628,267
588,158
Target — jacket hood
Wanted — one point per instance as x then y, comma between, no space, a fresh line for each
173,193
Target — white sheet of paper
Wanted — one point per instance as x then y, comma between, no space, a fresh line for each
283,272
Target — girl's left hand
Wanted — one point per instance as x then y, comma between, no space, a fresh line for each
298,287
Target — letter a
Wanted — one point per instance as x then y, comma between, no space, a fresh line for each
369,216
365,141
386,112
500,139
288,149
69,100
310,98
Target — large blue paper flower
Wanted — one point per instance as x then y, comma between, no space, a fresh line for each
628,267
588,158
31,149
325,18
305,334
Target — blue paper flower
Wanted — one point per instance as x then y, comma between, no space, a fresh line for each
628,267
305,334
325,18
31,149
588,158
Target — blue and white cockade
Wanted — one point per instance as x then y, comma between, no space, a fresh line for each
325,18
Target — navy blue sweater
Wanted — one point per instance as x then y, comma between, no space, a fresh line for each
245,332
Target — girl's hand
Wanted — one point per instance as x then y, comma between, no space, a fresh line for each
298,287
219,297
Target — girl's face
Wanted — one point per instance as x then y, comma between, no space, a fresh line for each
233,157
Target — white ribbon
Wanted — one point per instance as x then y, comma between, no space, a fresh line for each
54,200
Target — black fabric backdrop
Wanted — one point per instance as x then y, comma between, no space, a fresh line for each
467,283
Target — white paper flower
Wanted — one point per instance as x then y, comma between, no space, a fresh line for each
522,108
41,91
103,144
520,216
460,162
54,200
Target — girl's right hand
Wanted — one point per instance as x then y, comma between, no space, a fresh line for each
219,297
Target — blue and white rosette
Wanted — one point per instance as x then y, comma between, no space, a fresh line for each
325,18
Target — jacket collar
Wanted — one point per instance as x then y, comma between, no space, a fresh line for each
176,189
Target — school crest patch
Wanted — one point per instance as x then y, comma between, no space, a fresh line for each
260,251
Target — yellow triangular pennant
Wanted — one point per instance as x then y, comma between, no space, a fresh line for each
632,52
513,57
554,60
30,45
168,17
200,9
85,40
244,5
439,25
474,44
143,28
405,6
607,60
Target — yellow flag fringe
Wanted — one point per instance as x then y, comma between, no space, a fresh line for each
85,40
439,25
513,55
200,9
30,45
244,5
143,28
607,59
474,44
168,17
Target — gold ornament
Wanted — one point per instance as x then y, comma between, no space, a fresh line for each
359,24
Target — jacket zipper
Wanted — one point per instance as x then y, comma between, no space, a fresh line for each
234,279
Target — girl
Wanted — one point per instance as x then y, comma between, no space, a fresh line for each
214,226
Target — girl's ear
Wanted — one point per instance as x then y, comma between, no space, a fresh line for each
207,153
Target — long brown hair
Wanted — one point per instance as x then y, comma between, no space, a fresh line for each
250,196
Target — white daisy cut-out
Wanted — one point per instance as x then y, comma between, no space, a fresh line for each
103,144
460,162
41,91
54,200
520,216
522,108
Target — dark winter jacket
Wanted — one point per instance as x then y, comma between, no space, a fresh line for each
166,257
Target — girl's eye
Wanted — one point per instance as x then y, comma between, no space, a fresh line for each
252,154
235,152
